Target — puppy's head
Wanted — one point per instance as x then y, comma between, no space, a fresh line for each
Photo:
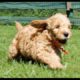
59,26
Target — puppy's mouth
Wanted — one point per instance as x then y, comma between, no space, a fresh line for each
63,41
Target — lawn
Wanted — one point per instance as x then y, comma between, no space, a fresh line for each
26,69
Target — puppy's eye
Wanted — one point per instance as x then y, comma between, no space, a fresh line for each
69,27
57,26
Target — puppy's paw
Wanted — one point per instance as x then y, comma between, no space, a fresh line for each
56,66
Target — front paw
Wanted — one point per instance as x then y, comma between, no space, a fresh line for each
56,66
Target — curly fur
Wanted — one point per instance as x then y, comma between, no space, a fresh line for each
34,41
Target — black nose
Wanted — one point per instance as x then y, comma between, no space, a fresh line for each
66,34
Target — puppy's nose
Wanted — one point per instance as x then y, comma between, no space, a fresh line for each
66,34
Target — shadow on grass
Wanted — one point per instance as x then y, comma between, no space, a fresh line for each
23,59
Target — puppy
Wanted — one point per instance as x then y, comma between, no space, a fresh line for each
36,41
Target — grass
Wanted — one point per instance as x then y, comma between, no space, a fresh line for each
26,69
30,12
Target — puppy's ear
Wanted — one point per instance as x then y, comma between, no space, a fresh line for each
18,26
39,23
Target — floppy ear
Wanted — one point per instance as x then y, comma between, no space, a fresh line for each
39,23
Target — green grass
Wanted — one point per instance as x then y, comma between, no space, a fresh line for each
27,69
30,12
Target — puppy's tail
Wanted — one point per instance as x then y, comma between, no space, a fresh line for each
18,26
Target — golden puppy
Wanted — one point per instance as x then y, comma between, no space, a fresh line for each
37,40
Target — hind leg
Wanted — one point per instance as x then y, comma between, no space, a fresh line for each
13,51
